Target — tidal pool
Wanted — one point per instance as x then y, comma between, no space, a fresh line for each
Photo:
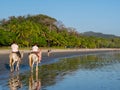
99,71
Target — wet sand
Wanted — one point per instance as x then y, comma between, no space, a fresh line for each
55,54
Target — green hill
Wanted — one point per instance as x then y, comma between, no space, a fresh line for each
98,34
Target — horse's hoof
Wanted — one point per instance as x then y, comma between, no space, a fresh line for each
11,71
31,71
17,70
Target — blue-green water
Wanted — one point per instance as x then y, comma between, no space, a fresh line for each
99,71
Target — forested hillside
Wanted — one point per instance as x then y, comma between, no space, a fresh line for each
48,32
98,34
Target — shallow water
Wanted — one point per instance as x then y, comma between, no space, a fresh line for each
99,71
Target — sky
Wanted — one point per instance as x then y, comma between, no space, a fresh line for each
84,15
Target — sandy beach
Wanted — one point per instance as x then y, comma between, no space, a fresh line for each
6,51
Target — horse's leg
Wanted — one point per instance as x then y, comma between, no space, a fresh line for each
17,66
12,65
10,62
32,66
11,69
30,62
37,66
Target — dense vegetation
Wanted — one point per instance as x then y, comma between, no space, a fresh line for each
47,31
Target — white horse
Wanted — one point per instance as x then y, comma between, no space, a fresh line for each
14,58
33,59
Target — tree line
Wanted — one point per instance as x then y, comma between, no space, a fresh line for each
48,32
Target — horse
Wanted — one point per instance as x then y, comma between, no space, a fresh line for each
14,58
33,59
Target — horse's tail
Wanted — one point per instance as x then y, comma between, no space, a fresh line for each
20,54
30,60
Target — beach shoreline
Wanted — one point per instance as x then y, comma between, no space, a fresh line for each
61,53
6,51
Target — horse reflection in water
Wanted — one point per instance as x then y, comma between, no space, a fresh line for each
34,84
15,82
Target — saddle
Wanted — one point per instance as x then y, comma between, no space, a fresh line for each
37,54
18,54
